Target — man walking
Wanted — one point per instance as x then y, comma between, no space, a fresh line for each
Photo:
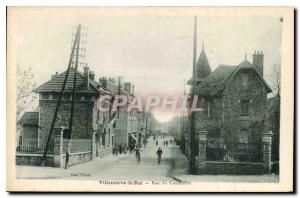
159,154
137,155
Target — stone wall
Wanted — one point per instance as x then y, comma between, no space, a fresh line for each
255,122
82,121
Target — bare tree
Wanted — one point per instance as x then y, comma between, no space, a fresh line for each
25,86
275,79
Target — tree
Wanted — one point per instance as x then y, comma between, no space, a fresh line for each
25,86
275,79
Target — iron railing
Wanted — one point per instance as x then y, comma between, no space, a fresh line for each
33,146
220,150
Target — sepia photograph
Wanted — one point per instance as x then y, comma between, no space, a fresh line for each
161,99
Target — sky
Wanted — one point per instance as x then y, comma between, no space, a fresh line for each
154,52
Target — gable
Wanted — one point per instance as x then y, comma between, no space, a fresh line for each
220,77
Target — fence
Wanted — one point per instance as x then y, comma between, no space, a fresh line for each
220,150
77,145
33,146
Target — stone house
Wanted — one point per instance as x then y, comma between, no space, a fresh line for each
86,121
233,101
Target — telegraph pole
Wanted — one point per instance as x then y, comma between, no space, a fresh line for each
74,81
193,92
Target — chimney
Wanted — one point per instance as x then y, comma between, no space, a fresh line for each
54,75
132,89
127,87
92,75
86,76
258,61
103,82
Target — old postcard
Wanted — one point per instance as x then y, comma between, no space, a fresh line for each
150,99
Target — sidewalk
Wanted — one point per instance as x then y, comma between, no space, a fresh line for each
85,169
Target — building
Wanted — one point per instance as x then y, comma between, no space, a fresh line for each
126,123
233,112
92,130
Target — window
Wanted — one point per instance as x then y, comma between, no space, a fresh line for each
243,136
245,80
245,107
45,96
55,96
88,97
77,97
67,96
66,134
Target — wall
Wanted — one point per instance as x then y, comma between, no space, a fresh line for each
29,131
255,122
82,157
82,121
33,159
239,168
121,133
77,158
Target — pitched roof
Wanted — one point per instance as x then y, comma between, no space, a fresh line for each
55,84
31,118
216,81
213,83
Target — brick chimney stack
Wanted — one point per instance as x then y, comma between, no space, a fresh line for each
258,61
132,89
92,75
103,82
86,76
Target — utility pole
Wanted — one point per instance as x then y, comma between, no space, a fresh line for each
193,90
74,81
119,93
43,162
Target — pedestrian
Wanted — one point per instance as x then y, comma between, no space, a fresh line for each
156,142
130,148
164,143
159,154
67,160
137,155
167,143
125,149
120,148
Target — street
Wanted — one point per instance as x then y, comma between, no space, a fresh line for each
121,167
127,168
174,167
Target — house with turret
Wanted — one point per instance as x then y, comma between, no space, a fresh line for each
233,114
